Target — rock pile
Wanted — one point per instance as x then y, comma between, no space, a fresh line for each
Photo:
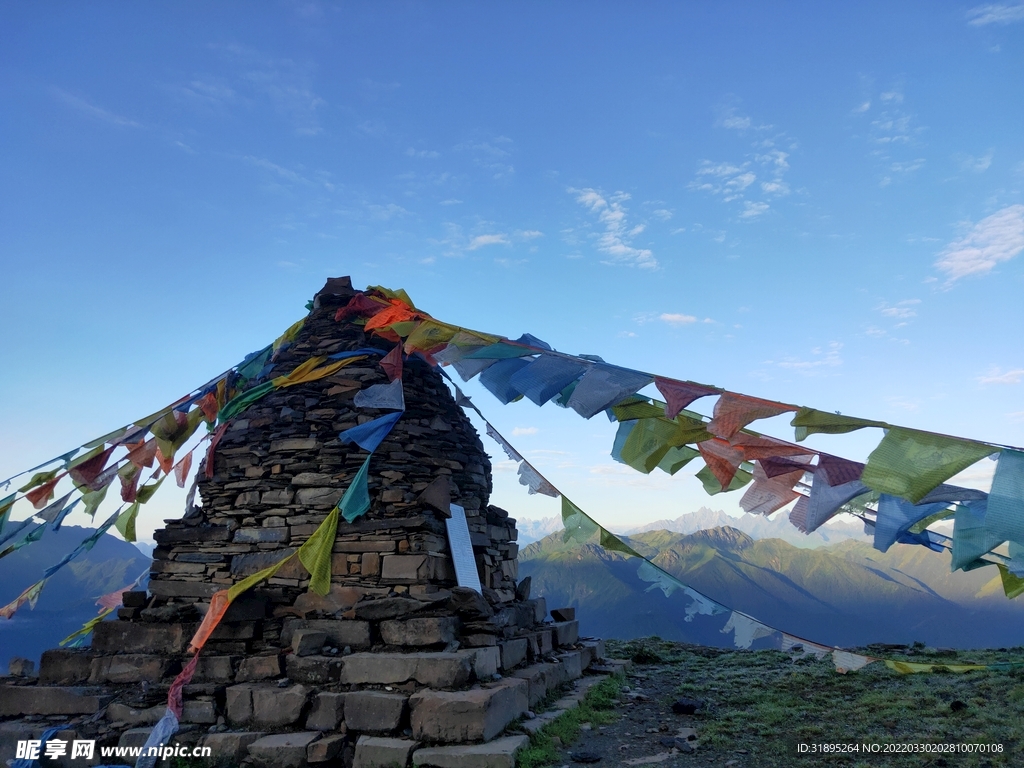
396,664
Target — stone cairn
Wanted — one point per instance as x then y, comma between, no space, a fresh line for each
397,665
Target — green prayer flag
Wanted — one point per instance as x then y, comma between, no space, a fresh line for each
38,479
713,486
5,510
93,499
808,421
1012,585
126,522
637,408
356,500
500,351
921,525
578,525
145,493
908,463
315,554
244,400
677,457
651,439
612,542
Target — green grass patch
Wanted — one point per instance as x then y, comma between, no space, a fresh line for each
766,702
597,708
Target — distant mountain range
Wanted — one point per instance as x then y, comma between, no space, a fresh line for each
843,594
755,526
69,598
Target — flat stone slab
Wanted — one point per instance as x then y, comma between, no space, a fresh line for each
33,700
282,750
478,714
132,637
229,748
500,753
380,752
340,632
437,670
374,711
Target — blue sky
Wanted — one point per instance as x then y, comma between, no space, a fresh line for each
819,204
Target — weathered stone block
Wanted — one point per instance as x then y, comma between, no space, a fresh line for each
566,633
374,711
513,652
121,713
484,661
404,568
340,632
326,748
420,631
274,707
248,607
306,642
261,535
327,712
65,666
201,712
247,564
237,630
134,737
259,668
294,444
214,669
500,753
318,497
479,714
318,670
238,704
438,670
33,700
380,752
282,750
540,677
597,646
278,498
112,636
189,534
311,480
19,667
167,588
572,665
540,606
130,668
229,748
386,608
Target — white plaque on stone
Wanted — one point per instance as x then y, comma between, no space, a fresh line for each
462,549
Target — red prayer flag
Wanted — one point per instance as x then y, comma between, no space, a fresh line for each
679,394
733,412
392,363
39,496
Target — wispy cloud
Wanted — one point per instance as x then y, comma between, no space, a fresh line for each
998,376
902,310
482,240
284,84
92,110
674,318
975,164
821,358
422,154
520,431
615,241
994,239
752,209
530,234
493,155
983,15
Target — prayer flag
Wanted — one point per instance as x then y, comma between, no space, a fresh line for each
909,463
497,379
126,522
745,630
849,662
712,485
1004,516
532,479
895,516
734,411
383,396
578,525
39,496
837,471
370,435
511,452
808,421
356,500
679,394
658,579
971,536
87,468
315,553
181,469
39,479
545,377
824,502
613,543
602,386
392,363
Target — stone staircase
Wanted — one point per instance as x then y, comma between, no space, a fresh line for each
389,685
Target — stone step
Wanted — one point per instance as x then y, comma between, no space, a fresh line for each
282,750
478,714
437,670
40,700
381,752
131,637
500,753
65,666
